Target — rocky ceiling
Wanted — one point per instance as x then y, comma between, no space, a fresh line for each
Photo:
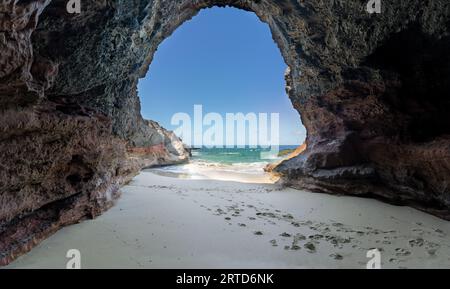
372,90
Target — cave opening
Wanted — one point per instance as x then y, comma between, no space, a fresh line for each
371,89
223,63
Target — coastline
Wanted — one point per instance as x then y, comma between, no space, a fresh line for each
202,170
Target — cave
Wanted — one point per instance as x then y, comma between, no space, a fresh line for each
372,91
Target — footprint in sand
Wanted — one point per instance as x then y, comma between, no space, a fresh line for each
288,216
297,239
316,237
416,242
439,231
402,252
310,247
274,243
337,256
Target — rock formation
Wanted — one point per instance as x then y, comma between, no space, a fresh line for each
372,90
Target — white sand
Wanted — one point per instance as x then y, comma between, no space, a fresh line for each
163,222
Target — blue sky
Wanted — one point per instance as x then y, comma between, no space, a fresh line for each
226,60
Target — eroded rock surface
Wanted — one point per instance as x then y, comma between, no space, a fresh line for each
372,91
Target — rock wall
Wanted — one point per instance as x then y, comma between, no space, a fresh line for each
66,148
372,91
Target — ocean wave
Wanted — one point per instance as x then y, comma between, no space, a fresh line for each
198,166
241,167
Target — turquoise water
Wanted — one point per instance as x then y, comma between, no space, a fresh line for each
235,155
223,162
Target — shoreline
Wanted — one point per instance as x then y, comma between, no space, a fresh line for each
164,222
203,170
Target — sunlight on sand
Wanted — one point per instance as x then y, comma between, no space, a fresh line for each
234,173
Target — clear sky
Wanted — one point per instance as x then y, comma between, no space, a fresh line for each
226,60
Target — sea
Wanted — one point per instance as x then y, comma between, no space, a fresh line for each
225,163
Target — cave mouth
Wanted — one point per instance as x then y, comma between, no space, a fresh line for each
223,62
72,133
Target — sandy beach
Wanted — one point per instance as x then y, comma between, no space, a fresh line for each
166,222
